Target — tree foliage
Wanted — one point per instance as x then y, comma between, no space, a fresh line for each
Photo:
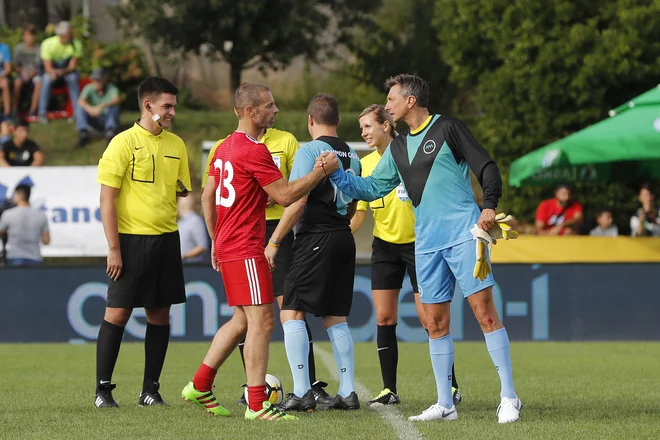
402,39
543,70
267,34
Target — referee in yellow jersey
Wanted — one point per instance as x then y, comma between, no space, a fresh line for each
393,252
283,147
142,172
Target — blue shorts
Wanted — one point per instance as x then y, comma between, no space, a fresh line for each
438,272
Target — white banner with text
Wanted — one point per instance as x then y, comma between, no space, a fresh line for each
69,196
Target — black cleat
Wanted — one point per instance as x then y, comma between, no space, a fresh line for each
343,403
104,397
294,403
456,396
386,397
241,400
151,399
318,389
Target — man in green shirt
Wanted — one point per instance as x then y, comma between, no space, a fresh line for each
60,54
97,109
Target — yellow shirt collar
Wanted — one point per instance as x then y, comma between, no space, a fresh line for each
423,126
144,132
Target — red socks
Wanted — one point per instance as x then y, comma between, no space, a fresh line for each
203,380
256,397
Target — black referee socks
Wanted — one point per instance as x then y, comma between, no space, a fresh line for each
155,348
107,350
388,353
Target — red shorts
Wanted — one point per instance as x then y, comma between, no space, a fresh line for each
247,282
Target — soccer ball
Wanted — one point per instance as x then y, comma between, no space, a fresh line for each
274,390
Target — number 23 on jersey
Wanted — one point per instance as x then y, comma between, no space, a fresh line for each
225,182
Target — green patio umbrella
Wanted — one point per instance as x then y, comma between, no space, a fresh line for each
624,147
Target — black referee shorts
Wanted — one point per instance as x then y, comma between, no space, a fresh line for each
152,272
282,259
322,273
389,263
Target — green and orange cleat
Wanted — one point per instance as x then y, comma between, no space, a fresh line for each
205,399
270,412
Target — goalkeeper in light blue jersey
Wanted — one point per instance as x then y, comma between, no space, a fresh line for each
433,159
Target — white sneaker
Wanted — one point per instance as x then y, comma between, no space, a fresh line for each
436,412
509,410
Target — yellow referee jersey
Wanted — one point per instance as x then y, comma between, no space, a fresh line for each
145,168
282,146
394,219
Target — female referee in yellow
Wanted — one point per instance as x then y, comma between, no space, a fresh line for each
393,252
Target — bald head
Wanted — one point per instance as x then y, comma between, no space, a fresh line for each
185,205
249,95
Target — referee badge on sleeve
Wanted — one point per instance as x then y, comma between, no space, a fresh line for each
401,193
278,161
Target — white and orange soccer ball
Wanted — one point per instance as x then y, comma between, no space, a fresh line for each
274,390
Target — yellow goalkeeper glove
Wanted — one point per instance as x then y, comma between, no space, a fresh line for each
484,241
502,229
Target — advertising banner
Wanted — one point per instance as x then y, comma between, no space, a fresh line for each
69,196
558,302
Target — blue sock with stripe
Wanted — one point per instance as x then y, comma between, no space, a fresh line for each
497,343
296,343
342,347
442,359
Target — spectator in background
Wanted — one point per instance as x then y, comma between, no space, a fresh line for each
27,61
646,221
24,227
5,79
559,215
98,108
21,151
605,227
192,229
60,54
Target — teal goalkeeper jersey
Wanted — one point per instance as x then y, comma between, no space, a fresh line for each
434,165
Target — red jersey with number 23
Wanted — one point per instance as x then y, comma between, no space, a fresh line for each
241,168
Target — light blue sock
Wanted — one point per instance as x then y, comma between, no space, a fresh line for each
498,347
442,358
342,347
296,343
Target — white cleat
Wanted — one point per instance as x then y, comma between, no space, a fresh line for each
509,410
436,412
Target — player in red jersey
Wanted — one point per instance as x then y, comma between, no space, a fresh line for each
242,177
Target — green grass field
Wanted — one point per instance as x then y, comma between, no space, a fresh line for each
569,390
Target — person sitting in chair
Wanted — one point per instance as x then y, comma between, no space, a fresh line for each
60,55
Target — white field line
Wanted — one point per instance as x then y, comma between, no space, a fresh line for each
404,429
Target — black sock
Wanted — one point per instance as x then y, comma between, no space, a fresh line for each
155,348
310,359
241,347
388,353
107,350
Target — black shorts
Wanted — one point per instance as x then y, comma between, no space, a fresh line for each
282,259
389,263
152,272
322,272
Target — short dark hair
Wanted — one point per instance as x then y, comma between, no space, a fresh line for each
411,85
563,186
324,108
30,29
153,87
22,122
646,186
23,191
248,95
602,211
